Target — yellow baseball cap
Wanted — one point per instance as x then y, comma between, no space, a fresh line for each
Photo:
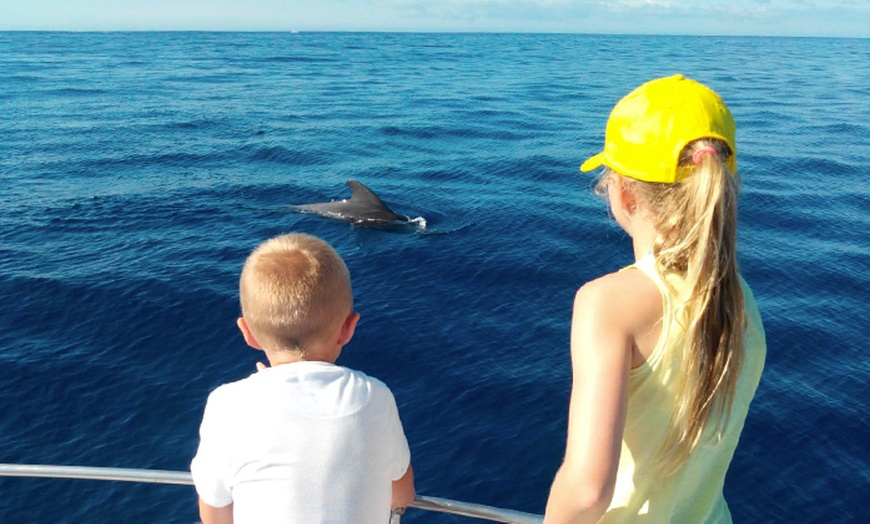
650,126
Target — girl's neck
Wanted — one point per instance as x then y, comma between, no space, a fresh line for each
643,237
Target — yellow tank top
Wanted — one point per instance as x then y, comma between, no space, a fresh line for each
693,495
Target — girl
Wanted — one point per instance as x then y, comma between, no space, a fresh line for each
668,352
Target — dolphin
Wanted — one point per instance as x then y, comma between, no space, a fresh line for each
363,208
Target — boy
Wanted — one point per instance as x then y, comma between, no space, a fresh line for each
303,441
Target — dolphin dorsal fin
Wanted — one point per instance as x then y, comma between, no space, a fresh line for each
361,195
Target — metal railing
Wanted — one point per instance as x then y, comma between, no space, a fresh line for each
441,505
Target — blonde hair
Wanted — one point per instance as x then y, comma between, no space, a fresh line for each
696,225
294,291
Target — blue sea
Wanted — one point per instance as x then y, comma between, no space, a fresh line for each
138,170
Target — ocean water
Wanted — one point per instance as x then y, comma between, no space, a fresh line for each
137,171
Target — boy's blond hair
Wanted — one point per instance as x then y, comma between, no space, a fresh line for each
295,292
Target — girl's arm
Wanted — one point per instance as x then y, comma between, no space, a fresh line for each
602,345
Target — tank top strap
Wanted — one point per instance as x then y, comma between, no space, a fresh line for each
647,265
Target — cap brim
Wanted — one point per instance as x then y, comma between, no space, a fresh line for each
594,162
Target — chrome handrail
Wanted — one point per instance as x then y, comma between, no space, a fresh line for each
156,476
442,505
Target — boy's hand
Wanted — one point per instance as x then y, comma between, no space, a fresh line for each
261,366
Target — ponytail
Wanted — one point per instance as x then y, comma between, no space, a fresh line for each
697,229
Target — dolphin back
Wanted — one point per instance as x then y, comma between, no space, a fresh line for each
363,206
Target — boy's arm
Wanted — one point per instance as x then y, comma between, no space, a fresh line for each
403,490
210,466
212,515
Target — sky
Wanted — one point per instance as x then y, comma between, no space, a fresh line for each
849,18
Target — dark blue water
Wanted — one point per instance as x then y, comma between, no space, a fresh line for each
138,170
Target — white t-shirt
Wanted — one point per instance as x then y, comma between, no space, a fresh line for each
306,442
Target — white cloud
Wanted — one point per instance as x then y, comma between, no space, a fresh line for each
752,17
632,4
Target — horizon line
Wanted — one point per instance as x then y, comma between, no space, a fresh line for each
433,32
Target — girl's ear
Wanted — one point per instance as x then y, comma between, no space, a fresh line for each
627,198
246,332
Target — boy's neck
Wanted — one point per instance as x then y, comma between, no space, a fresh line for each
280,358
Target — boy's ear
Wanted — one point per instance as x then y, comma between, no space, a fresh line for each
348,328
246,332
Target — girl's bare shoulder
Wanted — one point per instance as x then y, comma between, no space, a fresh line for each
628,298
